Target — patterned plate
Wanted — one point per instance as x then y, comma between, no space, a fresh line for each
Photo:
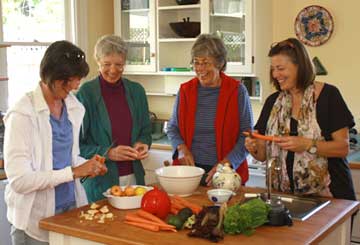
314,25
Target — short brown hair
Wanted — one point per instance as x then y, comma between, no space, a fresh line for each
298,55
62,60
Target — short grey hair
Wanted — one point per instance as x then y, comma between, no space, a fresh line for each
210,45
109,44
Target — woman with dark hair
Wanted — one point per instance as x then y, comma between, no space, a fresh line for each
210,112
313,121
41,147
116,118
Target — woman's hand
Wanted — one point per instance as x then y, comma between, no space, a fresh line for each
142,149
294,143
211,173
185,156
90,168
251,145
256,147
123,153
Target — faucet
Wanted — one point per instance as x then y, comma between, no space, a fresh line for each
279,214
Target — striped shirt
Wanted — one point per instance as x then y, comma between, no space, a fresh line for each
204,144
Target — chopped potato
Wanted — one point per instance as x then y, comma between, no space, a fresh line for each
94,206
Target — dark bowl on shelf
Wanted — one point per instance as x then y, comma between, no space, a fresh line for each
183,2
186,29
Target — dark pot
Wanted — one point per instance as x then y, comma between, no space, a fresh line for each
183,2
186,29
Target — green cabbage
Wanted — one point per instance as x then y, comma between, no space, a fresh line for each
246,217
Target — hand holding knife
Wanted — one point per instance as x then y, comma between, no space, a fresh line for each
100,159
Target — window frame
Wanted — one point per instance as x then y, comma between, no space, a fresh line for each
75,31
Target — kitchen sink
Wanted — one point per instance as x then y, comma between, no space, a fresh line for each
301,208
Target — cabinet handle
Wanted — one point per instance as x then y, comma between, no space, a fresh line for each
153,55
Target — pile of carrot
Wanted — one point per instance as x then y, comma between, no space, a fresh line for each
147,221
178,203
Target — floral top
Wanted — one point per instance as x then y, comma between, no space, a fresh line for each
332,114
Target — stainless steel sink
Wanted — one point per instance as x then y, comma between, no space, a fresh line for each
301,208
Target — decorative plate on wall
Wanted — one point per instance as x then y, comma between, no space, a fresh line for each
314,25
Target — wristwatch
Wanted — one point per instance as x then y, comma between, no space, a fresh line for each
313,147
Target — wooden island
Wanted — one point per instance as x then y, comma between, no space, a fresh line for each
330,225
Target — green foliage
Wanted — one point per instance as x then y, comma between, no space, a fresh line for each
246,217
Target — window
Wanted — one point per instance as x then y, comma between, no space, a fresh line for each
29,26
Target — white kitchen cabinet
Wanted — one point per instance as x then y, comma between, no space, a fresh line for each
135,23
143,23
155,160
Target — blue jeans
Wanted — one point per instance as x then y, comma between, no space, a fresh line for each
19,237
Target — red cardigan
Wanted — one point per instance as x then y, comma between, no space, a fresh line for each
226,121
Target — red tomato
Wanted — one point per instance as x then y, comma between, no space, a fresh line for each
156,202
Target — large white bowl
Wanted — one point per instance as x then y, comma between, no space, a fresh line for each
124,202
179,180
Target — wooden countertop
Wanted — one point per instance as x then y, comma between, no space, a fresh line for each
313,230
354,165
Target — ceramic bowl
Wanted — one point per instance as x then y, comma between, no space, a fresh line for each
179,180
125,202
219,196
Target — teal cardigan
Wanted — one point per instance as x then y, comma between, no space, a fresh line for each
96,136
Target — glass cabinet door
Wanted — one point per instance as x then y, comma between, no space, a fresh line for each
137,29
231,20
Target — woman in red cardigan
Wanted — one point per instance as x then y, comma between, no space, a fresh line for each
210,112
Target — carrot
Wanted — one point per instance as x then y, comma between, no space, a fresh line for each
135,218
167,229
261,136
176,204
100,158
143,225
173,210
194,207
149,216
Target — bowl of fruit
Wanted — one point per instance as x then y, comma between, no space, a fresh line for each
126,197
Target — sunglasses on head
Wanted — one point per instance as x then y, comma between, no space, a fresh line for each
283,44
75,56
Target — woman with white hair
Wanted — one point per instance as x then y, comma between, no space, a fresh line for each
116,118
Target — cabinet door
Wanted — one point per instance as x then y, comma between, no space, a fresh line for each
135,23
232,21
155,160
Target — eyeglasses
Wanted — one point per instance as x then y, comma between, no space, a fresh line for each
75,56
283,44
205,64
107,66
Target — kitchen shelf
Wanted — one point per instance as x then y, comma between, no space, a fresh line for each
177,73
4,78
135,10
177,7
233,15
256,98
170,40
